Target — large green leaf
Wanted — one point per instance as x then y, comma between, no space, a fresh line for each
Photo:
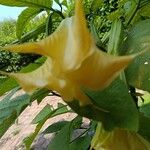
113,106
63,137
28,3
138,39
25,16
144,127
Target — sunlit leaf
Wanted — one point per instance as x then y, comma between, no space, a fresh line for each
23,19
30,3
7,85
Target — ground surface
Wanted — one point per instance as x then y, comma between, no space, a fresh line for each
13,138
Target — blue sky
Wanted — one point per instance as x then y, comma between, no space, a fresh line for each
9,12
13,12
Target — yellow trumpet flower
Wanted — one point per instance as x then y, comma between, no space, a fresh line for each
118,139
73,61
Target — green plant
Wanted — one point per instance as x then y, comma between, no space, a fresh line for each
109,104
14,61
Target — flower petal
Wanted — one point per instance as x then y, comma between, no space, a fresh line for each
118,139
38,78
99,70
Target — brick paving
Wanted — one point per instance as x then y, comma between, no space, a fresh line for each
13,138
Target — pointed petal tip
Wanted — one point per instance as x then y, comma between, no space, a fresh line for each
31,47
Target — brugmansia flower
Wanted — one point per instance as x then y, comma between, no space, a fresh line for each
118,139
73,61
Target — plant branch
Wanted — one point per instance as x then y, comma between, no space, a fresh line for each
58,12
133,14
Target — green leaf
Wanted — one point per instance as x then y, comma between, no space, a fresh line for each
61,110
32,34
2,79
96,4
39,95
115,37
41,118
138,39
28,3
77,122
65,3
119,105
142,13
82,143
130,8
95,35
7,85
62,139
7,122
113,106
10,110
57,1
55,127
145,108
42,114
23,19
47,110
9,95
144,127
28,140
